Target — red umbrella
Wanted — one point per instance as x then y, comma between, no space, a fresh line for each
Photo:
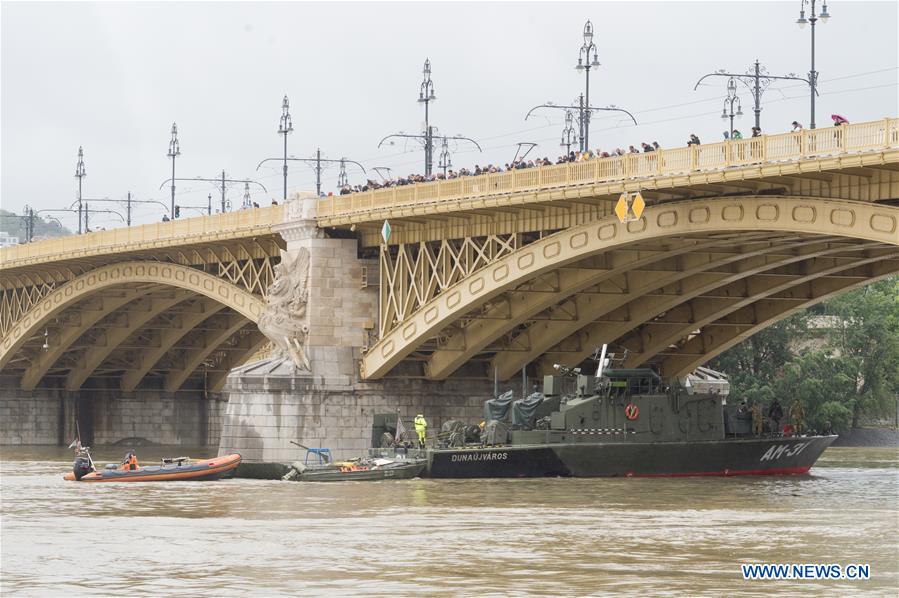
839,119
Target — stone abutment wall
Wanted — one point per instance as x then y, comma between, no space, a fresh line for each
106,415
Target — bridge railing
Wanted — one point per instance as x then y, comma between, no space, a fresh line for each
134,238
859,137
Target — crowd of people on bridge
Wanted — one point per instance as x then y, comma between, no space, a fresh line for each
572,156
519,164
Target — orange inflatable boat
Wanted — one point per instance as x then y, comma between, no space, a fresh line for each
181,468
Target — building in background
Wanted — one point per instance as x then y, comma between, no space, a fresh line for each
6,239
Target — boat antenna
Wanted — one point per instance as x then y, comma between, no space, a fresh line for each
602,361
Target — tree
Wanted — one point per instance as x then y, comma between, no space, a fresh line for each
851,370
14,224
867,343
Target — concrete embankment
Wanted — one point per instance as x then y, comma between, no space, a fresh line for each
885,437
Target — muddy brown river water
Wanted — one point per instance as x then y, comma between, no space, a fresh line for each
554,537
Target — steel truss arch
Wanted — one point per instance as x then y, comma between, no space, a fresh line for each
775,215
126,274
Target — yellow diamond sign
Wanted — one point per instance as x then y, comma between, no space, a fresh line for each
621,208
638,205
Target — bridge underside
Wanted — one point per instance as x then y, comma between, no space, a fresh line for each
167,320
681,285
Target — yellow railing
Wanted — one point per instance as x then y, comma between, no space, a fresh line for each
867,136
159,234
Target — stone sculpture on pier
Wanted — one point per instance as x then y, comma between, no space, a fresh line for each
285,321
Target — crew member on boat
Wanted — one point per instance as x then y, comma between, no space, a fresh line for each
129,463
421,427
756,410
797,417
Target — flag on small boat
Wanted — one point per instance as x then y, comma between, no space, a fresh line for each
400,428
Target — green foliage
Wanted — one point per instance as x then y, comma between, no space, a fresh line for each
839,416
842,371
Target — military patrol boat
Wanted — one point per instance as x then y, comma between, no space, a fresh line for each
623,422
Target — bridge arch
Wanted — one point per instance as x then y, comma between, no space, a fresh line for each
132,276
779,217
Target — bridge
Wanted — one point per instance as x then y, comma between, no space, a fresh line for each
481,274
168,300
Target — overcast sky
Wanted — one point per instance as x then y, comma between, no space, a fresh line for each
112,77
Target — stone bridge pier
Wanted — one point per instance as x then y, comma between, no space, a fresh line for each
321,310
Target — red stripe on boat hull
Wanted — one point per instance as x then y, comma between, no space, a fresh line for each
726,473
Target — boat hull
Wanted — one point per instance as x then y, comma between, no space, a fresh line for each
204,469
404,472
755,456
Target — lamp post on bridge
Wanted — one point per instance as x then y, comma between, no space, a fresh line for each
219,181
428,139
174,152
584,63
128,201
316,164
426,96
446,160
757,79
813,74
731,99
86,209
80,173
568,132
285,128
584,110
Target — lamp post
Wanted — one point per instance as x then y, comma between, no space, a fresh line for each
757,80
427,139
285,128
802,21
174,152
446,160
568,132
80,173
426,96
583,111
316,164
342,179
220,183
584,63
731,99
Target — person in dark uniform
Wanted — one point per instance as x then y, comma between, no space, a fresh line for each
775,414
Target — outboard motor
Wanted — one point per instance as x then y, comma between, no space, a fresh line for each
83,465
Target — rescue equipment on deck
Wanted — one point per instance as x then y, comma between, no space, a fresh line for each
631,411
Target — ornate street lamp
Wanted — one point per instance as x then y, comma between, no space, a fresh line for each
284,128
426,96
568,133
80,173
729,102
584,63
174,152
802,22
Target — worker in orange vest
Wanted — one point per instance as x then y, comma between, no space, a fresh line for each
130,462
